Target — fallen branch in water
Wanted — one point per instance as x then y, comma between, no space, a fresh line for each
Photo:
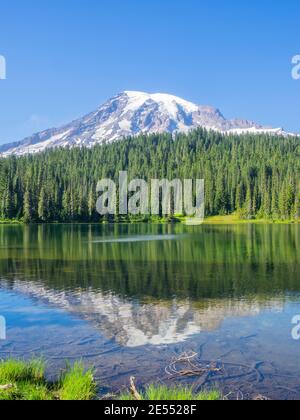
134,391
186,365
261,398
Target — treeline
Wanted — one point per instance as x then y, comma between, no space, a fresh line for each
256,176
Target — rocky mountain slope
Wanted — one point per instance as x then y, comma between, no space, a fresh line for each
130,114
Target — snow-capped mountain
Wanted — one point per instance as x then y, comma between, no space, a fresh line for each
130,114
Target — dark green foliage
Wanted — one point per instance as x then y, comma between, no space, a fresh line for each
256,176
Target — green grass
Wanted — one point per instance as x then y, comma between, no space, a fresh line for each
163,393
77,385
10,222
17,371
234,219
28,382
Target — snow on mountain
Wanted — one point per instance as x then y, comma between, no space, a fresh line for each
130,114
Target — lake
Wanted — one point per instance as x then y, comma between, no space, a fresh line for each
142,299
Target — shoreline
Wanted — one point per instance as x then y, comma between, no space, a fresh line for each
212,220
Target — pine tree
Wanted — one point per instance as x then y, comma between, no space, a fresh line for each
7,203
290,199
91,204
42,206
296,210
240,197
256,175
221,200
28,210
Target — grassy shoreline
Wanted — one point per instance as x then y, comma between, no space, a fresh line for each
26,381
235,220
212,220
20,380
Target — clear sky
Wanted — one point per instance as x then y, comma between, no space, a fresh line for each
66,57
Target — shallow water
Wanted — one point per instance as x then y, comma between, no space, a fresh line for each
129,299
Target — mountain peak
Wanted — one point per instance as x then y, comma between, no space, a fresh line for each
163,98
131,113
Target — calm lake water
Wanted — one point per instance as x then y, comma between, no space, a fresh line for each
131,299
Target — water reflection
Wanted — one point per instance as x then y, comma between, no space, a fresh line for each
138,289
134,324
138,238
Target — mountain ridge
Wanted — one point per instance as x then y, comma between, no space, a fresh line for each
131,113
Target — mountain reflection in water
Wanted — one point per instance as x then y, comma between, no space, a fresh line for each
154,285
134,324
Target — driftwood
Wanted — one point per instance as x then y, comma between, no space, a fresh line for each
187,365
133,390
207,373
6,387
261,398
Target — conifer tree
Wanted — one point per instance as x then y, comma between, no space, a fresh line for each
28,210
257,176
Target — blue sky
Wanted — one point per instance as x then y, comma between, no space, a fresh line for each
66,57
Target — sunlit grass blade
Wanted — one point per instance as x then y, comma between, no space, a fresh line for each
163,393
78,384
